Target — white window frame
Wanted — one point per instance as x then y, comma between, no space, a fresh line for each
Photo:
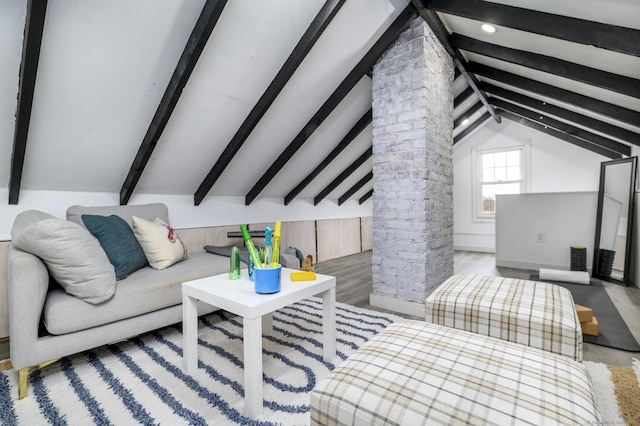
478,215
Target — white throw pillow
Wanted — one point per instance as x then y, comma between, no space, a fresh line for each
160,243
73,257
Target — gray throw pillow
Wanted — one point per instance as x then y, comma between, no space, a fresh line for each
26,219
73,257
118,242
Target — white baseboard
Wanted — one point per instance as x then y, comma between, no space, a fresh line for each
397,305
474,248
516,264
532,266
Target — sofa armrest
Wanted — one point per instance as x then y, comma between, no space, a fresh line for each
28,280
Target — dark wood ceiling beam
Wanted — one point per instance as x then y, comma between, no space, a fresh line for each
559,135
603,143
342,176
297,56
564,114
32,41
595,77
456,73
473,82
187,62
355,188
462,96
471,127
616,112
441,33
605,36
364,121
467,114
365,197
356,74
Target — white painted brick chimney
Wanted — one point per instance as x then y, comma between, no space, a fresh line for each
412,170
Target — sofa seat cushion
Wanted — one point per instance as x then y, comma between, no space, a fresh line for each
144,291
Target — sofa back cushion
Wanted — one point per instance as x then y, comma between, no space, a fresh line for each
145,211
73,257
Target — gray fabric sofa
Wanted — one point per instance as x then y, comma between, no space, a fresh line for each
47,323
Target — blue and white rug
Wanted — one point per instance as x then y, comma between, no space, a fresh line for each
141,380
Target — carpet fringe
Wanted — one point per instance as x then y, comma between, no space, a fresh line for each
604,392
627,391
612,388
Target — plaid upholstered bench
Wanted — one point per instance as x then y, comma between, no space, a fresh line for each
533,313
415,373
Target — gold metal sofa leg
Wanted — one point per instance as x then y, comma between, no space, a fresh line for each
23,376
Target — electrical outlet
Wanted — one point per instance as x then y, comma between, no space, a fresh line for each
540,237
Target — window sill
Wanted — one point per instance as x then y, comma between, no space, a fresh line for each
484,219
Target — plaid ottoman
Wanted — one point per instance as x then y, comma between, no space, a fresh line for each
416,373
533,313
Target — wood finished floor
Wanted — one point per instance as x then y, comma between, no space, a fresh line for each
354,285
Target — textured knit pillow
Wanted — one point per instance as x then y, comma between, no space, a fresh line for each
73,257
159,241
118,242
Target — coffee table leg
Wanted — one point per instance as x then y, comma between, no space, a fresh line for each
189,333
329,325
267,324
252,329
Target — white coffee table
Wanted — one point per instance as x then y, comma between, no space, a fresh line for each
239,297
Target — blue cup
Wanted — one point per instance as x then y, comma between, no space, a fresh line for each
267,280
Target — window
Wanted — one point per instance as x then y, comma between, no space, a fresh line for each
498,172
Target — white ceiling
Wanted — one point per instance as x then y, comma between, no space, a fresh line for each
616,12
624,13
104,67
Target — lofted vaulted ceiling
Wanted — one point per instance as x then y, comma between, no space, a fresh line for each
570,69
273,99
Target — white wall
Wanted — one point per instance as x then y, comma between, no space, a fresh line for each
562,219
553,166
213,211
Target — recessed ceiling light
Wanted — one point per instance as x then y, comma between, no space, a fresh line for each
488,28
465,122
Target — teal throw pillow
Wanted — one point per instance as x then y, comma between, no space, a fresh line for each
118,241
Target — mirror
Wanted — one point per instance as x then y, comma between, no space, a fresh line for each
614,221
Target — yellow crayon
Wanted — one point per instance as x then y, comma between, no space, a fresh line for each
275,256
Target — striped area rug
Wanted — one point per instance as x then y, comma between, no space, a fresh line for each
141,380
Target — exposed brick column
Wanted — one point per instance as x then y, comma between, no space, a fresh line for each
412,167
